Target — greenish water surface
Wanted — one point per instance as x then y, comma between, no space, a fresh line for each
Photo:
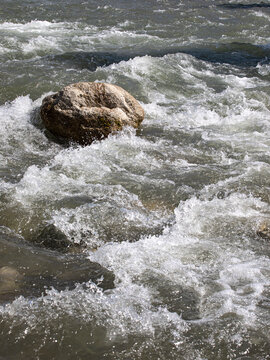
172,210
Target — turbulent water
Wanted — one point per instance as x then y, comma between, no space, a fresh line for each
171,209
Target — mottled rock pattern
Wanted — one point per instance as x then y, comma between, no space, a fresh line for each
53,238
264,231
85,111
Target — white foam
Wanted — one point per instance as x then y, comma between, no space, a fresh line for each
204,140
110,210
126,23
16,122
182,258
39,35
178,256
122,312
263,69
41,43
34,26
230,110
261,14
111,39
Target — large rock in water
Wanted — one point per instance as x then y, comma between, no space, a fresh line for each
85,111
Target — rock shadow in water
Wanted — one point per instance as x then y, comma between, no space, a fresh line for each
29,271
245,6
183,300
238,54
87,60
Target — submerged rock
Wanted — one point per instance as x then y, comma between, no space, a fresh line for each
34,270
9,281
183,300
264,231
54,239
85,111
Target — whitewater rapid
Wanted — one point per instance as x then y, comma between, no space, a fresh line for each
172,209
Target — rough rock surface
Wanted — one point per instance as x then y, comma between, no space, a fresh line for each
85,111
53,238
264,231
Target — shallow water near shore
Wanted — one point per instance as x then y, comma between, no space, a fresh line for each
171,209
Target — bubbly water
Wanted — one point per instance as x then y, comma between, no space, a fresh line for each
171,209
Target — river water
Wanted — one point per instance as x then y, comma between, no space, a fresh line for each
172,209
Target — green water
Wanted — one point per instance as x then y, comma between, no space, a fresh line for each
171,210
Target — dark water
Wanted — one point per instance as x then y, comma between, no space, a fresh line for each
168,213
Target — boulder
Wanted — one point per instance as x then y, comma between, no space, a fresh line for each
264,231
85,111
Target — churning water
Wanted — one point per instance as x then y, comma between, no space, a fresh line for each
171,209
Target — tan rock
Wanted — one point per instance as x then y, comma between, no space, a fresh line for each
264,231
9,278
85,111
9,273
